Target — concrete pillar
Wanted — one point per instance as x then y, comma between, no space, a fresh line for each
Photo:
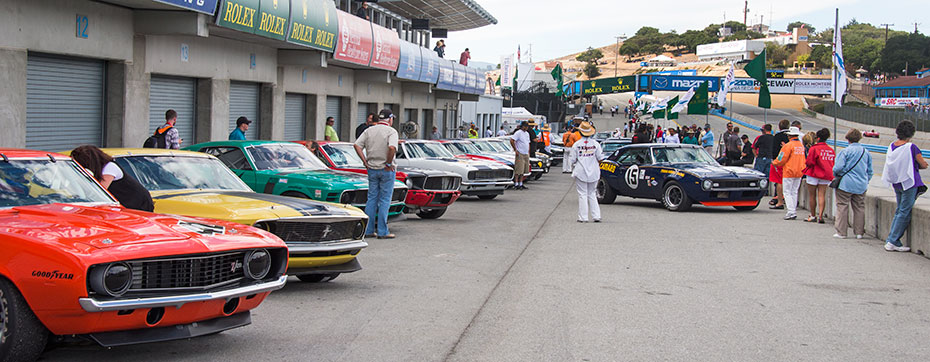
318,123
212,110
312,116
349,114
272,109
13,97
128,88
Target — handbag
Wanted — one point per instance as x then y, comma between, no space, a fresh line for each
835,184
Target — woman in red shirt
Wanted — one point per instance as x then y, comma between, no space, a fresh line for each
819,172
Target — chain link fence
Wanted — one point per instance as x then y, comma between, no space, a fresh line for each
878,117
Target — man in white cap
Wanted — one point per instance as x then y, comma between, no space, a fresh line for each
792,161
585,160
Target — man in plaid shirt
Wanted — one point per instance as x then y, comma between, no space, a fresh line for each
172,139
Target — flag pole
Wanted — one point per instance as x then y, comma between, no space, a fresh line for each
765,111
836,74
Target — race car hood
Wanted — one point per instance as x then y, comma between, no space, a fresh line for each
334,178
705,170
470,165
244,207
420,172
79,227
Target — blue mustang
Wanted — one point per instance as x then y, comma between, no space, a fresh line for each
678,175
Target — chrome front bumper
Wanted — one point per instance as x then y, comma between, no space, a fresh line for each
297,248
93,305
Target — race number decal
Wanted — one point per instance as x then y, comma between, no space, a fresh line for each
632,176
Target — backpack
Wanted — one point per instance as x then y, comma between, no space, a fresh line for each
157,140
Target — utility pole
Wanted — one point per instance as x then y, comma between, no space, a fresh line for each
886,30
745,12
915,27
617,56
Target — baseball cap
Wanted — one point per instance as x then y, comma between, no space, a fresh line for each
242,120
385,114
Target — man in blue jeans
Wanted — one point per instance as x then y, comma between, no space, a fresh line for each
763,149
376,147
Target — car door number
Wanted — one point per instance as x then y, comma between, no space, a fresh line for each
632,176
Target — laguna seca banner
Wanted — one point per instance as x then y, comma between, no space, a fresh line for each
460,77
411,61
386,51
354,40
776,86
897,102
430,71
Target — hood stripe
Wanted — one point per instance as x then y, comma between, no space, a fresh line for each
304,206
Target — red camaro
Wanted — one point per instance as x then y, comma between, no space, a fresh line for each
429,194
74,262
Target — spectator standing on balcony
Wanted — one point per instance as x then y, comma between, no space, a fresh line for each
902,164
440,49
854,168
362,11
463,59
819,172
377,147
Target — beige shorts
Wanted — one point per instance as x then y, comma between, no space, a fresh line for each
521,165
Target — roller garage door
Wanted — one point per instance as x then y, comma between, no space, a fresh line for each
334,109
179,94
363,110
243,101
295,114
64,102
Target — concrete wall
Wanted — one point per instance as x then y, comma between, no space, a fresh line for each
13,97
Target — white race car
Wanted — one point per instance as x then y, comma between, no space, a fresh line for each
484,179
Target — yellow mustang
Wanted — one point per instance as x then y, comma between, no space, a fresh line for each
323,239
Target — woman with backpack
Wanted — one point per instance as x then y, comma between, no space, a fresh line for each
127,190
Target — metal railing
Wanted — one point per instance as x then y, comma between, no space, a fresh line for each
878,117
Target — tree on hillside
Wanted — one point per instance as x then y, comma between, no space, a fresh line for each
591,57
693,38
735,26
823,55
776,55
744,35
911,50
652,49
798,24
647,31
862,45
629,49
591,70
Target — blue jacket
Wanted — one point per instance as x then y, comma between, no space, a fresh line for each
708,139
237,135
856,176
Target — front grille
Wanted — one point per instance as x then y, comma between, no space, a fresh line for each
735,184
313,232
482,175
447,183
358,197
193,272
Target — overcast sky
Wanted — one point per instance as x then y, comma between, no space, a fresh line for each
561,27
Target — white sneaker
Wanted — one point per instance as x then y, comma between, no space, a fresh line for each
859,236
892,247
838,236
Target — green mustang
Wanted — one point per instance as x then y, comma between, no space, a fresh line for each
290,169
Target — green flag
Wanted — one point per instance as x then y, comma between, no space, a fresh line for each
668,108
557,75
498,83
515,76
756,70
698,104
658,114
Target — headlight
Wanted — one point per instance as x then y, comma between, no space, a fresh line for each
409,183
257,264
707,184
763,183
359,231
113,280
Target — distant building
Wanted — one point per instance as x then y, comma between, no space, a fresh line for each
904,91
661,61
732,50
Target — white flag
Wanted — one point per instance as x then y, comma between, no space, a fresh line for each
642,106
725,87
659,105
683,101
839,68
507,71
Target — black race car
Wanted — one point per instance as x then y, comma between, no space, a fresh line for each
678,175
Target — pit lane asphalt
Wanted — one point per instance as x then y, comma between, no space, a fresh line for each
517,279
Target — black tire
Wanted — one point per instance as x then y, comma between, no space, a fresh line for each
487,197
537,176
747,208
431,214
317,278
605,194
295,194
22,335
674,197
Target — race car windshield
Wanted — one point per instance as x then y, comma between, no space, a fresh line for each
486,147
284,156
38,182
158,173
343,156
462,148
425,150
610,147
682,155
503,146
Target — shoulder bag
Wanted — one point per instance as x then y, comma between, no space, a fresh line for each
835,184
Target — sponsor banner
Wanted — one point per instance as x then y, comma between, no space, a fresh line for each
410,62
386,51
776,86
272,19
460,79
507,71
813,86
446,75
609,85
430,71
897,102
354,42
201,6
472,86
313,24
240,15
682,83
